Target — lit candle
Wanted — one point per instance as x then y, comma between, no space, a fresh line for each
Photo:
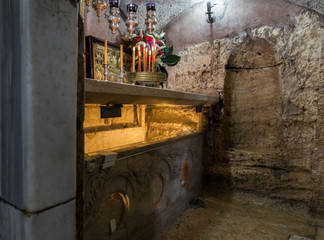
145,58
153,58
145,69
139,59
105,51
121,57
150,58
134,49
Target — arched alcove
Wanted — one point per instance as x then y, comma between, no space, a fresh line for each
252,96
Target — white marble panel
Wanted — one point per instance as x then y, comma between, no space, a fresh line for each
54,224
11,224
49,71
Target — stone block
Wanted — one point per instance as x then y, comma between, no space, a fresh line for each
254,134
297,158
292,194
57,223
298,134
296,237
45,172
319,233
252,53
154,186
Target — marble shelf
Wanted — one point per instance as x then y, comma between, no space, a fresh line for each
101,92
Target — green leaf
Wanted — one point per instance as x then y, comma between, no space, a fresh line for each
171,60
167,51
164,71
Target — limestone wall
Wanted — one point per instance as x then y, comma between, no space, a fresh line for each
266,134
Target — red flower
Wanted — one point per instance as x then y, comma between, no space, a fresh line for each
137,39
158,42
149,39
161,53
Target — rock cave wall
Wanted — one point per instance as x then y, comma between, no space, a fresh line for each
267,131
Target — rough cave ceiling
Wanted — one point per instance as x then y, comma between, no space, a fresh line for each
169,9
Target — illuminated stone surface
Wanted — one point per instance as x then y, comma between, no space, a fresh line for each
139,124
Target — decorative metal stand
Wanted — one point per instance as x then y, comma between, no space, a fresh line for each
121,77
106,72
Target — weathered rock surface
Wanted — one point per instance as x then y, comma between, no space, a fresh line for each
167,10
295,237
237,216
267,132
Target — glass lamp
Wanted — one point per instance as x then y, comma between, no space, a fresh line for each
131,21
150,20
114,15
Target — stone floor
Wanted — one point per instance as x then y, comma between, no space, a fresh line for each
241,216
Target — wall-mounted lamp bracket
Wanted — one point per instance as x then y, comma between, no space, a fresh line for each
111,111
210,16
221,9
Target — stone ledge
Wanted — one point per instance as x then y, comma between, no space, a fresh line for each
101,92
96,159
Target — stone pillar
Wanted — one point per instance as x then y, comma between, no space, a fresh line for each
38,72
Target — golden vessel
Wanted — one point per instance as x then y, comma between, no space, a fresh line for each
146,77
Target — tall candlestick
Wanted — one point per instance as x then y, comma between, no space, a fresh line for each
121,57
150,58
106,51
139,59
153,58
133,69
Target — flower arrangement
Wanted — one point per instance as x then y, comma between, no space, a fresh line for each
164,55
